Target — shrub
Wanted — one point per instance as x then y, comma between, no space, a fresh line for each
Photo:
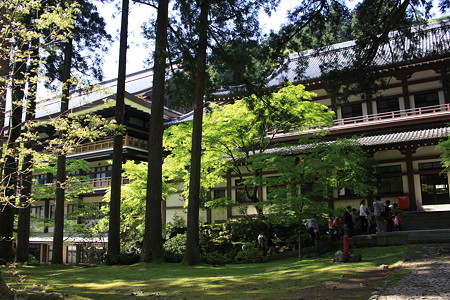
217,258
174,248
122,259
250,254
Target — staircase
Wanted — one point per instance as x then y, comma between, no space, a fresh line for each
426,220
418,227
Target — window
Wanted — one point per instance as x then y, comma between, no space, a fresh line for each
241,195
390,185
42,178
428,99
435,165
37,211
52,211
71,254
389,169
220,193
353,110
99,175
387,105
390,180
50,253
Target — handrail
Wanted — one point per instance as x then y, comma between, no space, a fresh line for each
102,182
109,143
395,114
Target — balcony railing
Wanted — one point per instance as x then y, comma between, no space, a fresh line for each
104,182
94,183
405,113
128,141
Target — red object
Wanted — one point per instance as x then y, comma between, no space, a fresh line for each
403,202
346,247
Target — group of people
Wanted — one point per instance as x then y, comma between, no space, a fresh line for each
377,217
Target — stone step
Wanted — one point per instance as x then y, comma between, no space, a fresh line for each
402,237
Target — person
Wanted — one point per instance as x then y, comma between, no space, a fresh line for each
348,221
312,226
270,240
332,230
379,214
363,216
262,241
397,222
389,216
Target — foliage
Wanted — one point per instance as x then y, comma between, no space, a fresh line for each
176,226
235,132
444,145
250,254
217,258
132,205
121,259
174,248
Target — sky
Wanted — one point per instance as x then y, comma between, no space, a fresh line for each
139,13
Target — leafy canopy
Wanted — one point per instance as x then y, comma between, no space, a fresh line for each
235,132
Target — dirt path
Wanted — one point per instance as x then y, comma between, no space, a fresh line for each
427,276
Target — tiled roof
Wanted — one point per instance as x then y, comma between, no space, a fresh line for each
402,137
433,39
378,140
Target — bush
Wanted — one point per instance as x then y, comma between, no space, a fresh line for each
122,258
217,258
174,248
250,254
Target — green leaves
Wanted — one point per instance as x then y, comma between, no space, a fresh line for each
234,133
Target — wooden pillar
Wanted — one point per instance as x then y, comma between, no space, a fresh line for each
405,92
408,152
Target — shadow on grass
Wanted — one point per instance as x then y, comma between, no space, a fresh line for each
275,280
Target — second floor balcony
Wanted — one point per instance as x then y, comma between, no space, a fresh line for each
108,144
427,112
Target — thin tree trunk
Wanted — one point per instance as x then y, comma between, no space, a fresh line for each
23,226
58,234
192,255
5,215
152,246
10,172
116,176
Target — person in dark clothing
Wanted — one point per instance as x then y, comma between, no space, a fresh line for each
348,221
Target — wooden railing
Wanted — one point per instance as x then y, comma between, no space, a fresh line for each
421,111
104,182
109,143
95,183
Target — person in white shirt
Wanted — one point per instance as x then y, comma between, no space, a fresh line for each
363,216
378,212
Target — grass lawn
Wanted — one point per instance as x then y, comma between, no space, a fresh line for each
312,278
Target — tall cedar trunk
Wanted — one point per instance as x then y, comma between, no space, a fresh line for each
192,255
23,226
58,234
5,291
5,216
116,176
10,172
152,247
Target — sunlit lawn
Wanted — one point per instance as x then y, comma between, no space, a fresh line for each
272,280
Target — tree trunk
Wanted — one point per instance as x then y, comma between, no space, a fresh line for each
10,172
5,215
5,291
58,234
192,255
23,226
152,246
116,176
